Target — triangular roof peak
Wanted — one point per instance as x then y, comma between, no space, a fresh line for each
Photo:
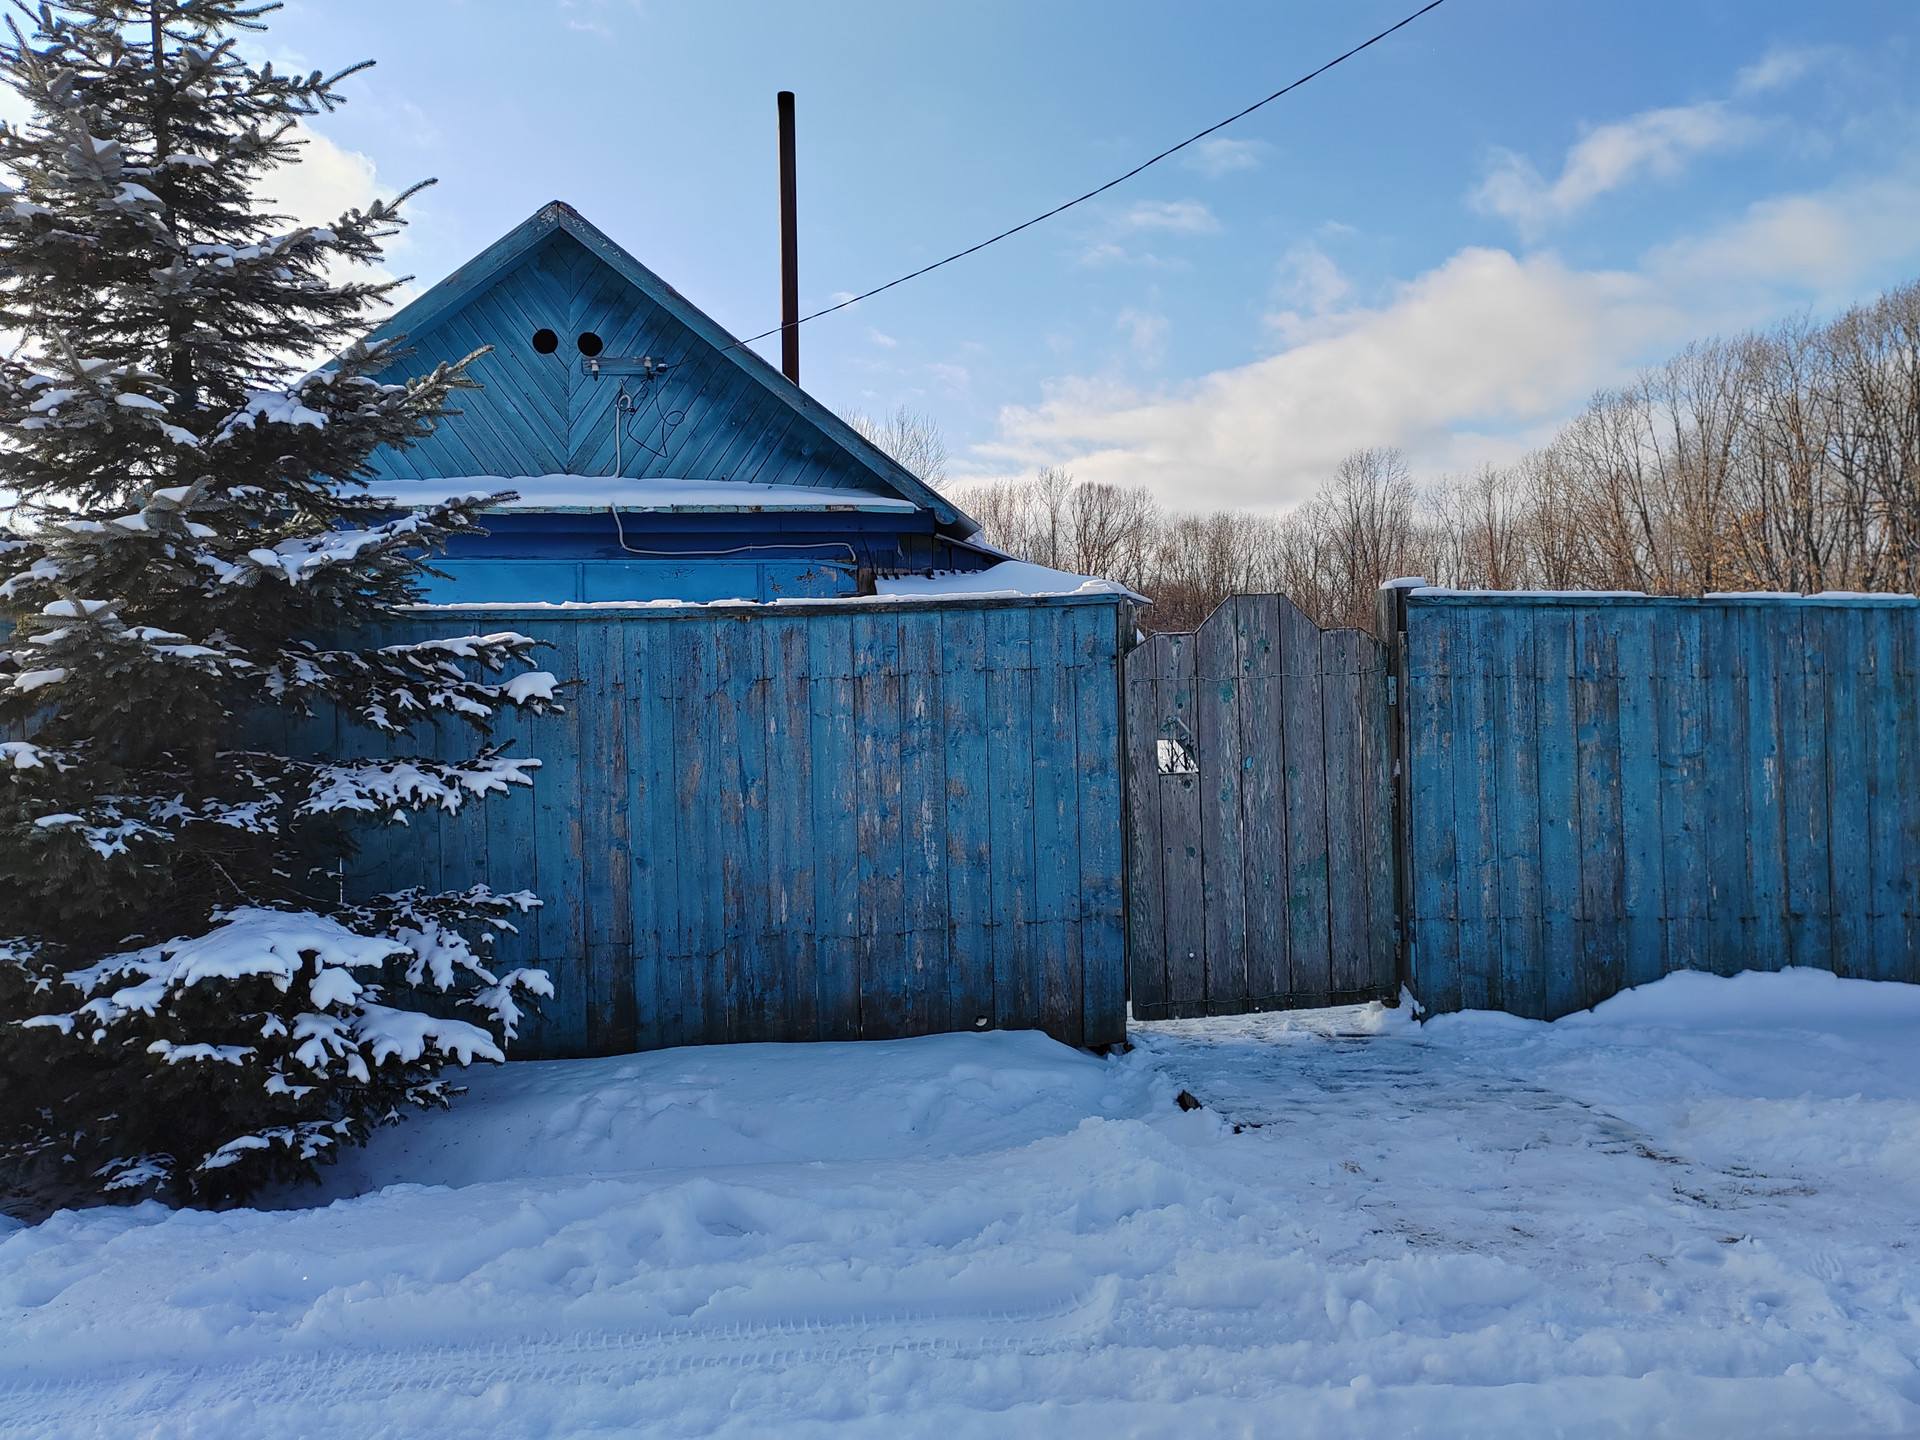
718,413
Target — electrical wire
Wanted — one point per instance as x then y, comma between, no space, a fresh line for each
1101,190
621,530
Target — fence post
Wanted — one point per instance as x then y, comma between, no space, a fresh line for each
1390,628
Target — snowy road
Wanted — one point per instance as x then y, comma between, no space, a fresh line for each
1689,1214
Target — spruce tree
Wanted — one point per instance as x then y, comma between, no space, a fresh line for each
189,1006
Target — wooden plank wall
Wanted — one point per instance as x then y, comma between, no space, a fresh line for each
1264,881
1601,790
834,822
538,414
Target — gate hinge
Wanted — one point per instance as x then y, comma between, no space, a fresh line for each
1393,689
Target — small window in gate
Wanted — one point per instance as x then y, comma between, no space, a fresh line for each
1177,758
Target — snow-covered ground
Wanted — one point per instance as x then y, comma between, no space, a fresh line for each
1691,1213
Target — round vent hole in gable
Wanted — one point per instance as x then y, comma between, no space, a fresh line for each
545,341
589,343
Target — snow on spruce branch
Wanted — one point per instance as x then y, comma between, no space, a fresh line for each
392,688
302,559
100,393
306,558
345,1026
441,954
316,397
107,831
44,571
25,755
74,633
435,660
394,787
330,1028
248,943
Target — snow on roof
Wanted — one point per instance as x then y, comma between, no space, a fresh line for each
1007,580
597,492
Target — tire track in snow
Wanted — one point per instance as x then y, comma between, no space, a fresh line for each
295,1381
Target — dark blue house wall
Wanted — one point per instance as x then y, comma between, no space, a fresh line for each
848,820
1600,790
595,555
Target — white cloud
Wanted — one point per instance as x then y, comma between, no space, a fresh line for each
1484,338
1778,68
585,19
1655,142
1182,217
1474,360
1102,252
1824,246
1146,333
326,183
1217,155
1166,217
1308,279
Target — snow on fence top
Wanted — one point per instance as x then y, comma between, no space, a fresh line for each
1589,597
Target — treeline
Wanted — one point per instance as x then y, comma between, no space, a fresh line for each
1787,459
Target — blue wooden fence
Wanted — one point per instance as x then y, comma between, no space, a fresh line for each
834,821
1597,790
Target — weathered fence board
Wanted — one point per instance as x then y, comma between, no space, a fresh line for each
969,841
1602,789
837,821
1263,748
1100,788
1304,738
1167,668
1258,867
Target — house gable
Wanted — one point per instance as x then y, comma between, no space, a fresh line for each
718,413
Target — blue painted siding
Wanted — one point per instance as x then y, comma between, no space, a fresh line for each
838,822
1602,790
540,414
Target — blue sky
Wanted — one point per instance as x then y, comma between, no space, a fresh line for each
1445,244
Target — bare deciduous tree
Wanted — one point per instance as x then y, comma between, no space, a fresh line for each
910,436
1052,519
1788,460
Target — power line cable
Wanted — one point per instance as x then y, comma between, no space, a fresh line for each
1118,180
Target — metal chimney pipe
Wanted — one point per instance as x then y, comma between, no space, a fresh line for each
789,247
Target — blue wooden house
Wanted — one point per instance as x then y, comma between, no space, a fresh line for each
656,457
797,793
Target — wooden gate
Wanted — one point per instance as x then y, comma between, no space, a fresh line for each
1259,816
